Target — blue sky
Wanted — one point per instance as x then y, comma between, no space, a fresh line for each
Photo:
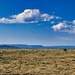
37,22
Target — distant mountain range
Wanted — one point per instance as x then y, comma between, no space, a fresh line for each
22,46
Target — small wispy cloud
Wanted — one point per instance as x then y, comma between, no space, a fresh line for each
73,22
58,17
65,26
52,22
29,16
66,38
39,24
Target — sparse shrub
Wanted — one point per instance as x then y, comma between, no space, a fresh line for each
65,49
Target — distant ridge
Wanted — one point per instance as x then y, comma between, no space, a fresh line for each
7,46
22,46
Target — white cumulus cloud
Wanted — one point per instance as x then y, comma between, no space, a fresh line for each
46,17
64,27
59,26
28,16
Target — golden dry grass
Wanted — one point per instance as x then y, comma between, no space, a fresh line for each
37,62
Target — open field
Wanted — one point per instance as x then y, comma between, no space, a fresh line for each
37,62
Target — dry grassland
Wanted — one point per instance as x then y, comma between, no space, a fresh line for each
37,62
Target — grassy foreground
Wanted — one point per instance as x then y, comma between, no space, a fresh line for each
37,62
